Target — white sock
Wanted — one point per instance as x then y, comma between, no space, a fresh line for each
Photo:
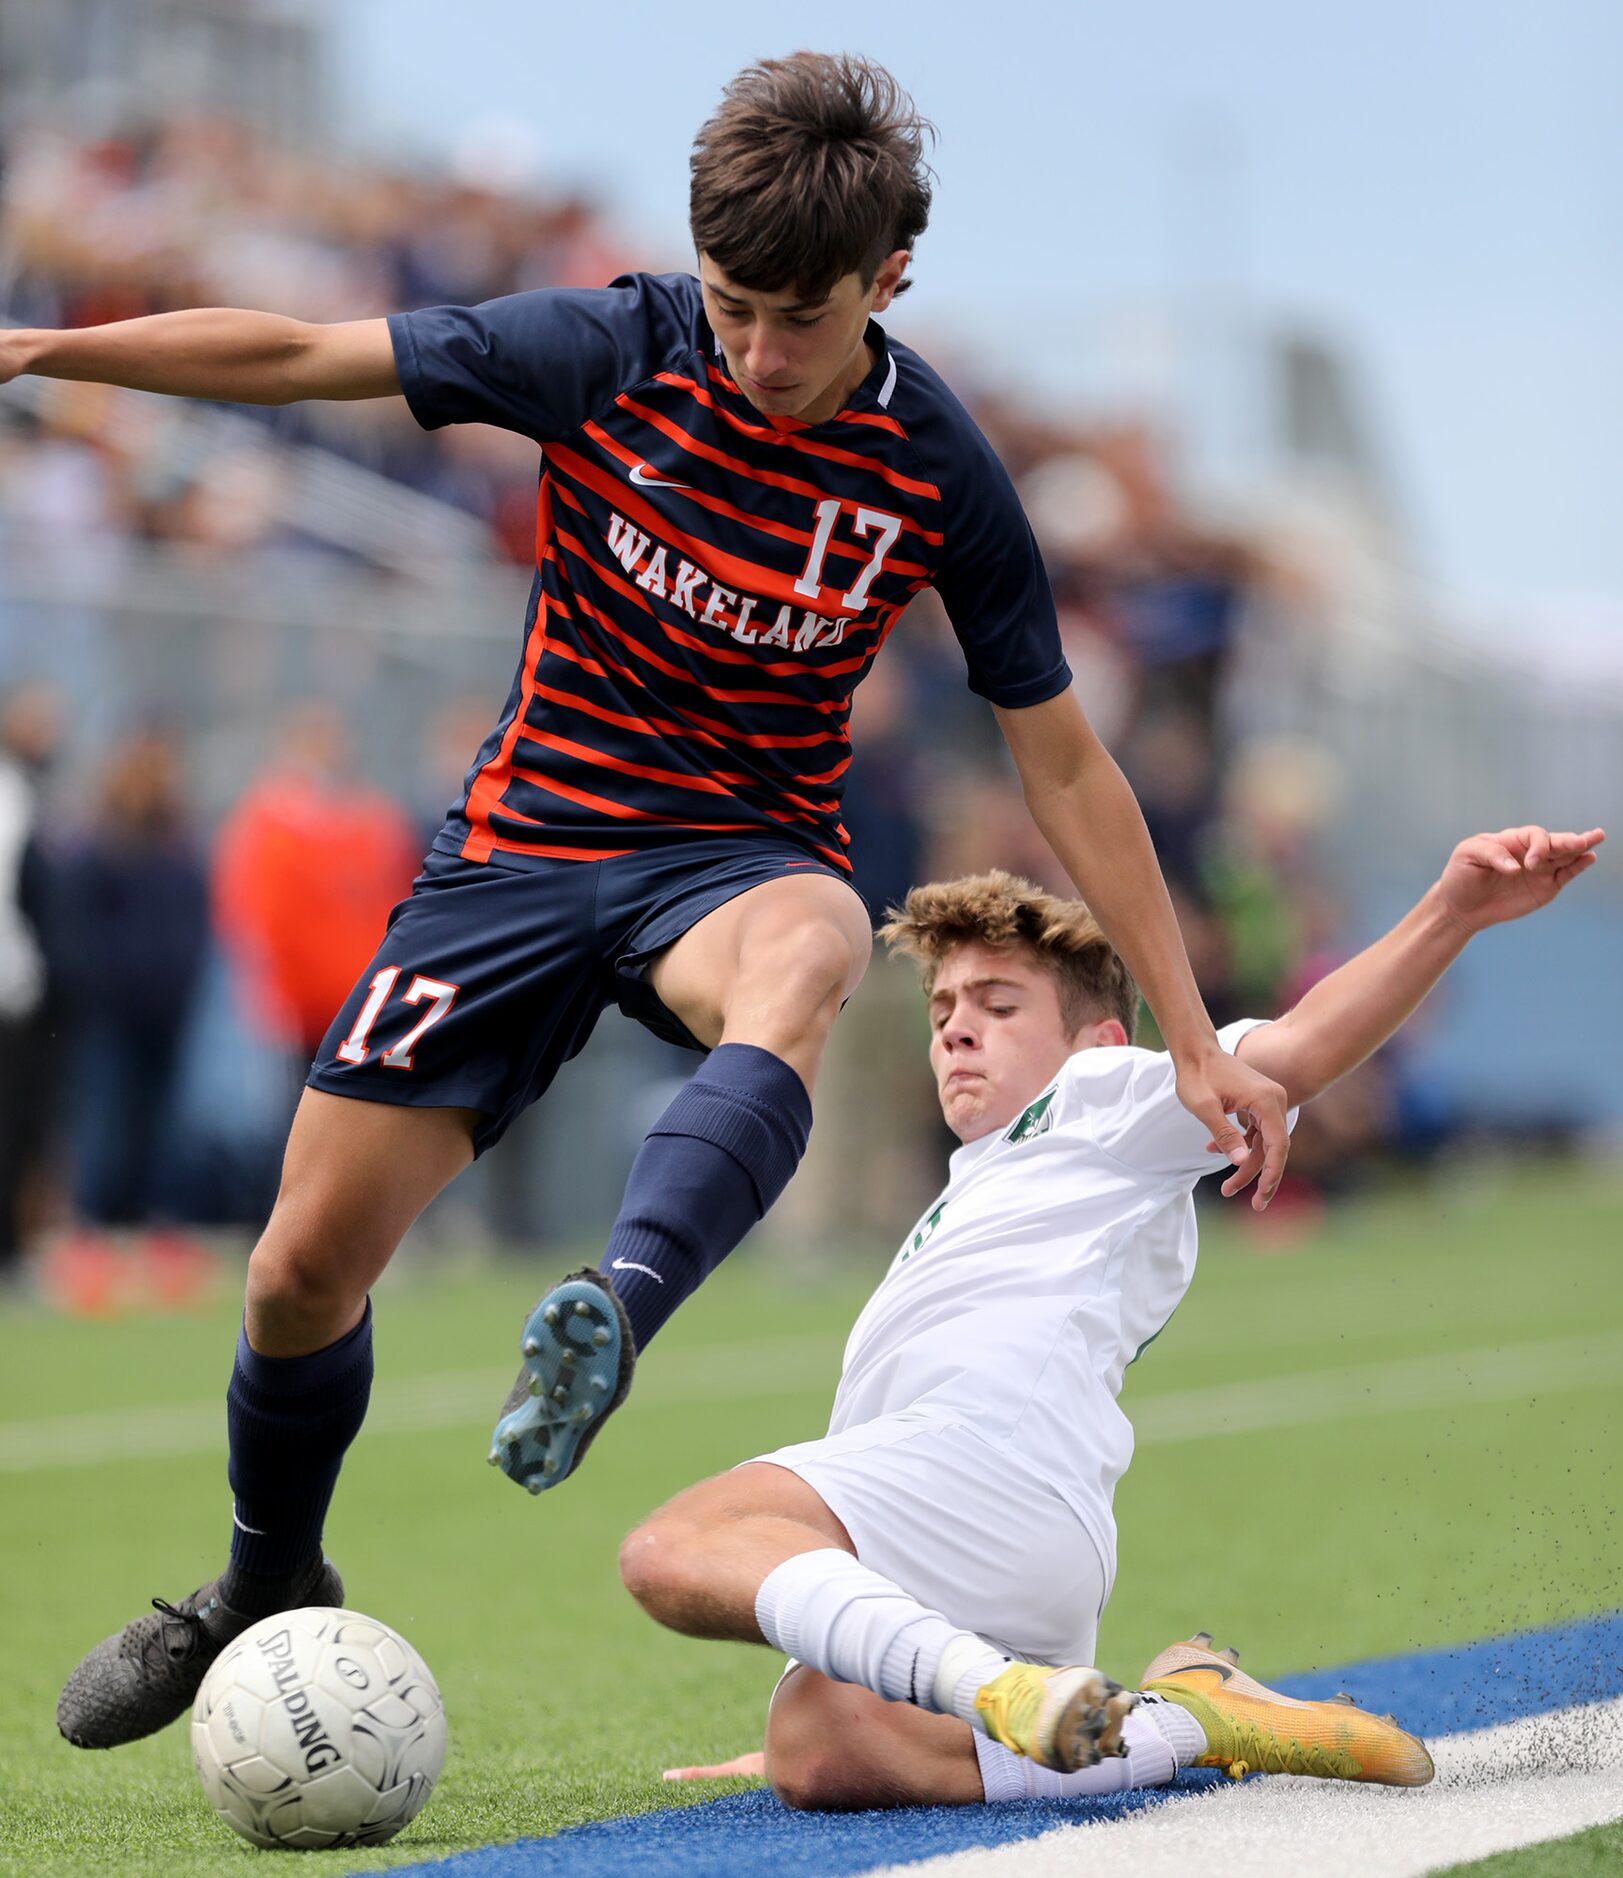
1149,1762
828,1610
1176,1726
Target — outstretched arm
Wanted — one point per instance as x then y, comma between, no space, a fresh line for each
214,352
1349,1014
1090,818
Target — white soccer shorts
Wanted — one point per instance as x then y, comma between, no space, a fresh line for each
967,1528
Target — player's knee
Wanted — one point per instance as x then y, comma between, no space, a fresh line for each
657,1567
299,1287
812,1780
807,1766
809,970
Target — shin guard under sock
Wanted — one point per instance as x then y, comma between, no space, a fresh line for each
290,1419
712,1165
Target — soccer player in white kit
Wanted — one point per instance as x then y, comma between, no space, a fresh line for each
937,1564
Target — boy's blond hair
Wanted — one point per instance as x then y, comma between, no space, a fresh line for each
1003,911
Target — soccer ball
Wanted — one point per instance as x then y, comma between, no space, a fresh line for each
318,1728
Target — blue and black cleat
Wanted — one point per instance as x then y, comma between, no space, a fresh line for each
578,1358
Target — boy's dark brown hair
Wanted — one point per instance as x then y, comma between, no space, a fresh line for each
812,168
1003,911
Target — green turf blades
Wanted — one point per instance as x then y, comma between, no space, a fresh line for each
1597,1853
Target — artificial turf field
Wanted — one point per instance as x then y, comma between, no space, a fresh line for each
1402,1431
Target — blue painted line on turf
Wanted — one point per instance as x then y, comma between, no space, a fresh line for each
1434,1692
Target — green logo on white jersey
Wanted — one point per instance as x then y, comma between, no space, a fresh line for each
1037,1120
931,1220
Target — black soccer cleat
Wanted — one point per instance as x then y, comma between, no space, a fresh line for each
148,1675
578,1358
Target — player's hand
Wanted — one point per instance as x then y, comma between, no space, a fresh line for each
1216,1086
740,1764
1493,878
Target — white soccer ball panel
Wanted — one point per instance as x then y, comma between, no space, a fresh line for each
359,1632
396,1656
235,1725
340,1802
398,1808
287,1827
253,1774
393,1712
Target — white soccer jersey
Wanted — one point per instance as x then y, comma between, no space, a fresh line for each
1061,1246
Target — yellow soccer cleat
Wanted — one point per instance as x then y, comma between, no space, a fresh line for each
1251,1730
1061,1718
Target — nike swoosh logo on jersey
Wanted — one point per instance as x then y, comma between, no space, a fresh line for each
644,478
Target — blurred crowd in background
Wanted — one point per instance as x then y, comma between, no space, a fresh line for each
152,931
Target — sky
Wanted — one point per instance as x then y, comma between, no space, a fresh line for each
1437,186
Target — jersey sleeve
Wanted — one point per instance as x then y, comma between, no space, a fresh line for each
538,363
1135,1116
990,575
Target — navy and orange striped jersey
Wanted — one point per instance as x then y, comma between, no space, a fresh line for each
710,583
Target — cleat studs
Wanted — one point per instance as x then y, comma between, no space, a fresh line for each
1393,1720
1230,1655
567,1358
494,1457
549,1467
560,1392
599,1338
1203,1638
1342,1696
600,1385
550,1314
532,1486
583,1413
531,1347
582,1308
535,1385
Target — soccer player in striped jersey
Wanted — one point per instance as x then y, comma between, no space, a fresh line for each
743,482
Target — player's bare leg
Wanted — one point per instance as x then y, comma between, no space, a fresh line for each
770,968
354,1178
356,1175
759,982
696,1564
832,1747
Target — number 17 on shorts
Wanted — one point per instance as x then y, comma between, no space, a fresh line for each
434,992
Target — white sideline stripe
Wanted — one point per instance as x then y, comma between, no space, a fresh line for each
1418,1382
452,1399
797,1365
1484,1800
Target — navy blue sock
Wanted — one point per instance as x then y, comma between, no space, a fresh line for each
290,1419
712,1165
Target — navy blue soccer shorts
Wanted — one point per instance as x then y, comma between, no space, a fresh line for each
489,978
